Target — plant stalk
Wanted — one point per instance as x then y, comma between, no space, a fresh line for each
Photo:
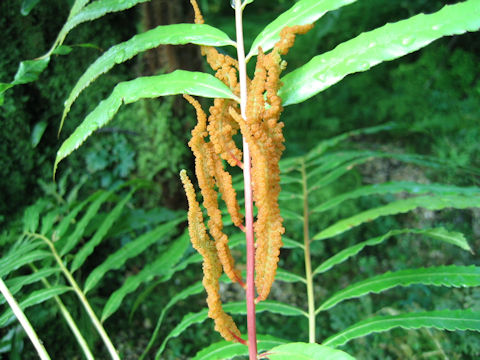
71,323
242,71
308,263
83,299
37,343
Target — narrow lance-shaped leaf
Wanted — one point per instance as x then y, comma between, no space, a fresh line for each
305,351
194,289
165,34
327,168
451,237
27,6
287,276
232,308
443,320
451,276
69,219
80,227
30,70
16,284
330,162
37,132
163,264
326,144
128,251
164,276
77,6
229,350
177,82
397,207
35,298
290,215
88,248
49,219
291,244
15,261
396,187
92,11
333,159
371,48
303,12
31,215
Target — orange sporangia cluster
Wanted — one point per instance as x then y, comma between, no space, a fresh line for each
221,128
212,269
207,169
263,133
262,130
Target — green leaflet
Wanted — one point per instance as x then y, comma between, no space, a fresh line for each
49,219
444,320
287,214
287,276
17,259
88,248
37,132
233,308
17,283
69,219
80,227
228,350
336,173
36,297
291,244
303,12
371,48
27,6
451,276
30,70
194,289
81,13
166,34
128,251
333,159
451,237
397,207
187,321
326,144
177,82
77,6
305,351
162,265
289,180
290,164
395,187
31,215
330,164
288,195
333,165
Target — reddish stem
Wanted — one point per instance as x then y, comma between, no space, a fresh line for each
251,325
239,339
238,162
240,281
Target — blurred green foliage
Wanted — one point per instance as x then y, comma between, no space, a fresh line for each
27,37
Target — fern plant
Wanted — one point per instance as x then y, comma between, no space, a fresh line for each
253,108
56,242
304,178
